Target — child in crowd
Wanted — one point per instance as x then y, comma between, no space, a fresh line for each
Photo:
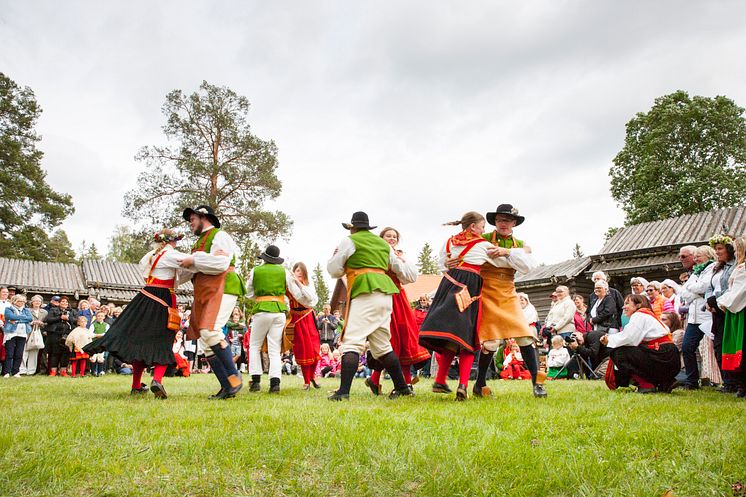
289,366
326,362
557,358
75,341
84,309
181,361
513,366
336,364
98,328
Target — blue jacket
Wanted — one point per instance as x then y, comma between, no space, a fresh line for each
13,316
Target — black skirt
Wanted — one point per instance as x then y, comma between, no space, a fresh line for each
658,367
140,333
445,328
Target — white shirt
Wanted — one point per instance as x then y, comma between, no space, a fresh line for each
167,267
518,259
407,273
557,357
292,287
641,328
208,263
529,312
561,316
734,299
308,292
693,291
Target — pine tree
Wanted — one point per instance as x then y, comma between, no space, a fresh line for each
320,285
577,252
426,262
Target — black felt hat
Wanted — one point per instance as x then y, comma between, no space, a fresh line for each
359,220
272,255
505,210
202,210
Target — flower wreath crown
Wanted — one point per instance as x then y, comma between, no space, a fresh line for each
161,237
721,239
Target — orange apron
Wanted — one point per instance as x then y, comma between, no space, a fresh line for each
208,294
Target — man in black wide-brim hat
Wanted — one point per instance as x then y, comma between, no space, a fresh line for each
217,287
364,259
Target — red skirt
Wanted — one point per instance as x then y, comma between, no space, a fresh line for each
306,342
405,332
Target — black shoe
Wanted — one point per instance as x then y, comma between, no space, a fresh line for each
668,387
315,385
274,385
158,390
255,386
216,396
539,391
373,387
224,394
336,396
741,393
481,392
461,393
647,390
728,389
138,391
405,392
441,388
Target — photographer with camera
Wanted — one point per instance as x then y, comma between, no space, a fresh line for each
326,323
589,347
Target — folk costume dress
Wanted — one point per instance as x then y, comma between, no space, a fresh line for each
302,328
217,288
643,352
734,333
404,331
140,336
446,329
364,259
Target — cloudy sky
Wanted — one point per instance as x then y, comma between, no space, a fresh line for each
412,111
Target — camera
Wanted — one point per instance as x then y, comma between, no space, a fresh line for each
570,339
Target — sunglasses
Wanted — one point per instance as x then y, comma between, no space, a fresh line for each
649,290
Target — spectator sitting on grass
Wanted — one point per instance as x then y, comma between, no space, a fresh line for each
557,358
513,366
326,361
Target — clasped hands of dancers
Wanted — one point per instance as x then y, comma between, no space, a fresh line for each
475,307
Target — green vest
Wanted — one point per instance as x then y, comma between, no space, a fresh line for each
99,328
371,251
504,242
234,284
269,280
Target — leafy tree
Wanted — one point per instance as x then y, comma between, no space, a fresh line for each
59,248
685,155
577,252
610,233
426,262
89,252
320,285
125,245
213,158
29,208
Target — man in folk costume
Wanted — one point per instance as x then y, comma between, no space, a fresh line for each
502,315
268,284
216,289
364,259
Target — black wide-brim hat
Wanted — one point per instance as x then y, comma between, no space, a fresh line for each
360,221
505,210
272,255
202,210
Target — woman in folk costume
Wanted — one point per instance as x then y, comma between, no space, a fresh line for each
306,342
404,329
451,326
503,316
141,336
733,302
644,352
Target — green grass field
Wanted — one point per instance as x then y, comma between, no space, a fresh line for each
66,437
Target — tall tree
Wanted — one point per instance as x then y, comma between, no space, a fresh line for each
59,248
320,285
29,208
88,252
426,262
126,245
213,158
577,252
685,155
